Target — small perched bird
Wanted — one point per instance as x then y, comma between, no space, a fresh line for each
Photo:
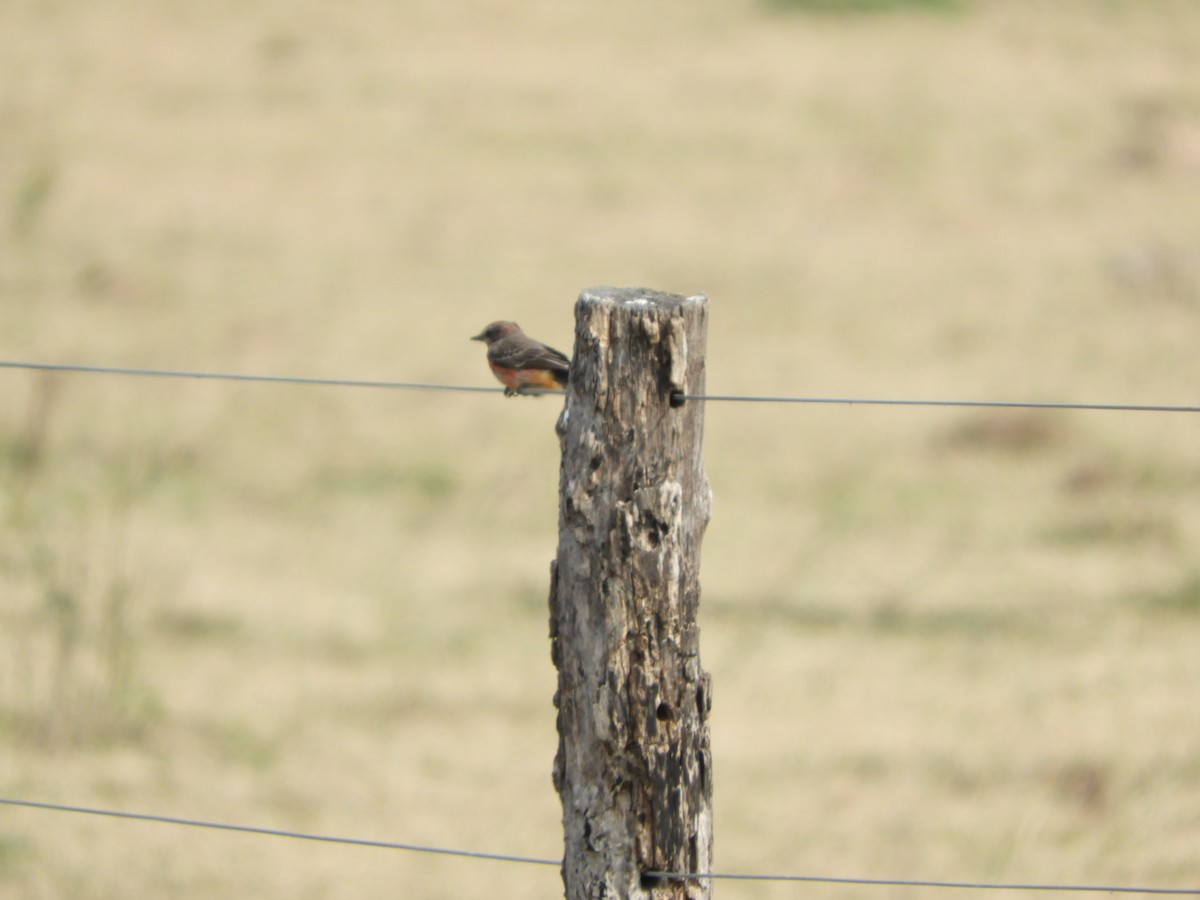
520,362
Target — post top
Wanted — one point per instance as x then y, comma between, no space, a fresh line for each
635,296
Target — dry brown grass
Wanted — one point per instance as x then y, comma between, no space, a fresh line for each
944,644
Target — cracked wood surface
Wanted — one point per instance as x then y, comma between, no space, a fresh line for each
633,766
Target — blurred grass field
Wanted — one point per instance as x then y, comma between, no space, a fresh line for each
945,644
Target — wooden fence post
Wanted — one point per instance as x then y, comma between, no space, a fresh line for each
633,767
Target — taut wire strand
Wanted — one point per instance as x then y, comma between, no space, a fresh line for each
677,397
540,861
901,882
1001,404
277,832
227,376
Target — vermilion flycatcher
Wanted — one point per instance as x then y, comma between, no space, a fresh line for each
520,362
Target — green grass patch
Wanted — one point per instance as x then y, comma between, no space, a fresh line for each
1181,598
34,192
13,848
198,625
1117,530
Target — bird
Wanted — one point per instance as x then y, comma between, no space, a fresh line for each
521,363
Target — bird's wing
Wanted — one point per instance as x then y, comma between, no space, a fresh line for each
531,355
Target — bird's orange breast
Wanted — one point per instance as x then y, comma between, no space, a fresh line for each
515,378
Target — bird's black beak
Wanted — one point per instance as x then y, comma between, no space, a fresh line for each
479,337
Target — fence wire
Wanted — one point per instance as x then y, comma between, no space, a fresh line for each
275,832
991,404
233,376
677,397
540,861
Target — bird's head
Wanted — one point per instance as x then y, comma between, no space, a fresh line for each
496,331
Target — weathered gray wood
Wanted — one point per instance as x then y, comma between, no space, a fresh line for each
633,766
